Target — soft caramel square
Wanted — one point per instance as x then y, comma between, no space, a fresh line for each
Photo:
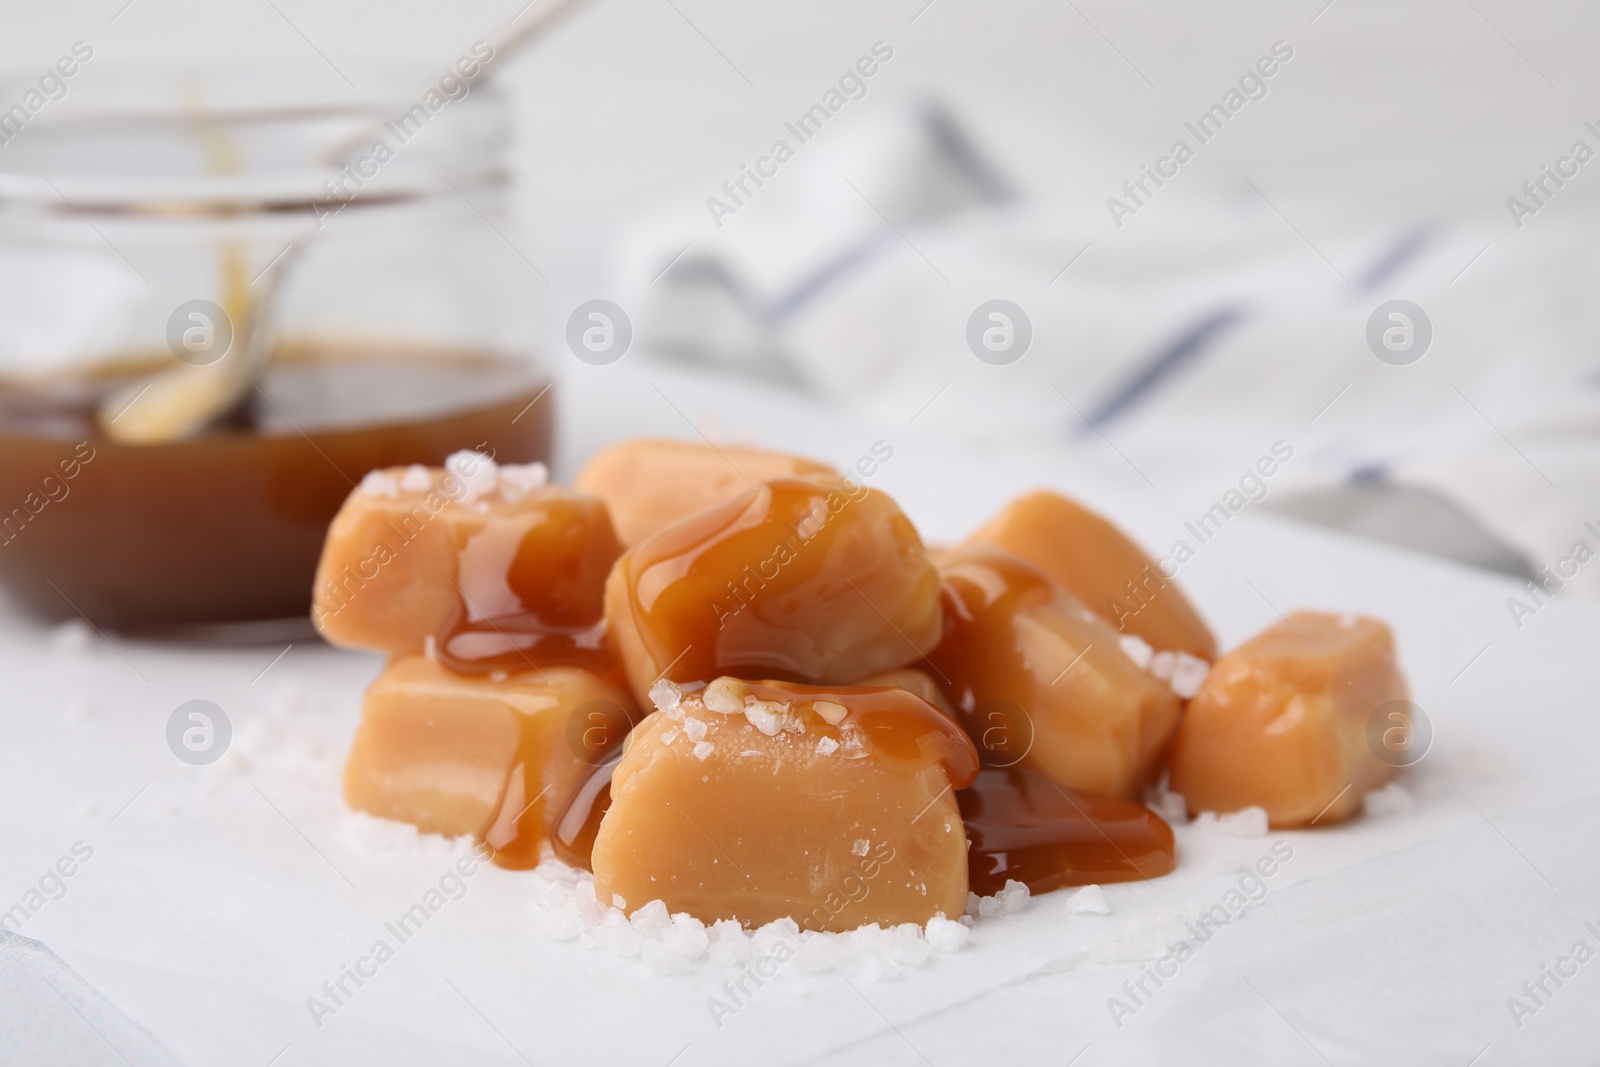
818,580
1100,565
756,801
650,484
418,553
459,754
1283,722
1035,676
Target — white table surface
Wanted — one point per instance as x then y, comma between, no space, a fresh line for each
219,898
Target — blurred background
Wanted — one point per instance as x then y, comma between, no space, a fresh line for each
1143,245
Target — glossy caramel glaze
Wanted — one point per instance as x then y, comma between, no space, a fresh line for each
896,727
575,828
1023,826
532,589
806,579
899,728
1100,565
1036,677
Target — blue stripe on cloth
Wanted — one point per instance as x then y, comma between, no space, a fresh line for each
1163,365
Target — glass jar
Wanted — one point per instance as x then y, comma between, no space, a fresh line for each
160,218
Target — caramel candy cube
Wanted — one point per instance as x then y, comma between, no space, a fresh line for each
818,580
1036,677
418,553
1282,722
461,754
650,484
1097,563
759,800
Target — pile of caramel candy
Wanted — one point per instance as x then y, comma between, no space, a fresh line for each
738,682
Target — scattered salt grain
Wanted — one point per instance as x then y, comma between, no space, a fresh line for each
945,935
519,480
724,696
694,729
71,638
703,750
1188,675
1162,665
1247,822
1171,807
1392,799
665,695
827,746
1090,900
765,715
476,475
1136,649
416,479
379,483
1009,901
861,847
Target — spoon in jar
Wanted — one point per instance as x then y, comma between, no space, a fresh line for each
179,402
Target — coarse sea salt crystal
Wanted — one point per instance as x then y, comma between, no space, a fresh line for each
1090,900
563,908
693,728
1136,649
703,750
379,483
827,746
416,479
519,480
476,475
1171,807
1392,799
1246,822
1188,675
861,847
725,696
665,695
945,935
1009,901
765,716
1162,665
71,638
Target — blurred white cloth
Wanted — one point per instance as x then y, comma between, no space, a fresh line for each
1204,329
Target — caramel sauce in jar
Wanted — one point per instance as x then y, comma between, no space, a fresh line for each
1022,826
227,526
